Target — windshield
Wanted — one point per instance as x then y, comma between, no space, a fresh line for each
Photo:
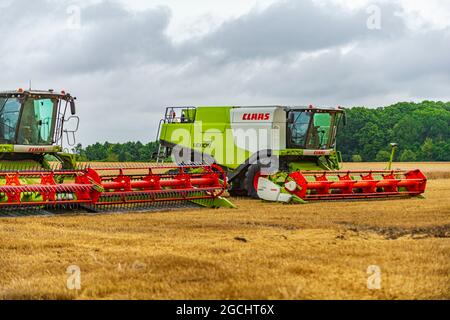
35,122
9,115
299,128
311,130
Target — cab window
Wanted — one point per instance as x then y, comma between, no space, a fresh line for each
320,131
9,115
36,123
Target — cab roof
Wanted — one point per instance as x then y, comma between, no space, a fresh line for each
289,108
311,107
37,94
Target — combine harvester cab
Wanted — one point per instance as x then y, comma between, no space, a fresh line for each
278,153
37,177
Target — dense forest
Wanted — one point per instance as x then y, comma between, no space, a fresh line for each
421,130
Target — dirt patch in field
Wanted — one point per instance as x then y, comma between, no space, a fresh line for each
392,233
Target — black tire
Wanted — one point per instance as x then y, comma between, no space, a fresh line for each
252,171
237,188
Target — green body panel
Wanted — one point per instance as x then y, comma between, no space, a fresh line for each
295,166
289,152
210,123
216,115
6,148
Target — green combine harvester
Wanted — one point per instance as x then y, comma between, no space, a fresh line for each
32,126
277,153
38,177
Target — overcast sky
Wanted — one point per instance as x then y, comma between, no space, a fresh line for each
127,60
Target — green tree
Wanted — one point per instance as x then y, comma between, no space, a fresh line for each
80,152
408,124
407,155
112,157
382,156
441,151
357,158
427,149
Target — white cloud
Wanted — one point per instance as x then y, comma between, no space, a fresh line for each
430,14
417,14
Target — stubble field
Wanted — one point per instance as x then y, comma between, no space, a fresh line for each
258,251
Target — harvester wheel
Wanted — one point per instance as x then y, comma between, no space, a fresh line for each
251,180
237,188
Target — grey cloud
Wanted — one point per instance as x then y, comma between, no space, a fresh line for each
112,37
293,26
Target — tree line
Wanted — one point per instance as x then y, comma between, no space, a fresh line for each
421,130
113,152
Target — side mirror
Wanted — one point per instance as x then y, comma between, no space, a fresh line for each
73,109
70,127
71,124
